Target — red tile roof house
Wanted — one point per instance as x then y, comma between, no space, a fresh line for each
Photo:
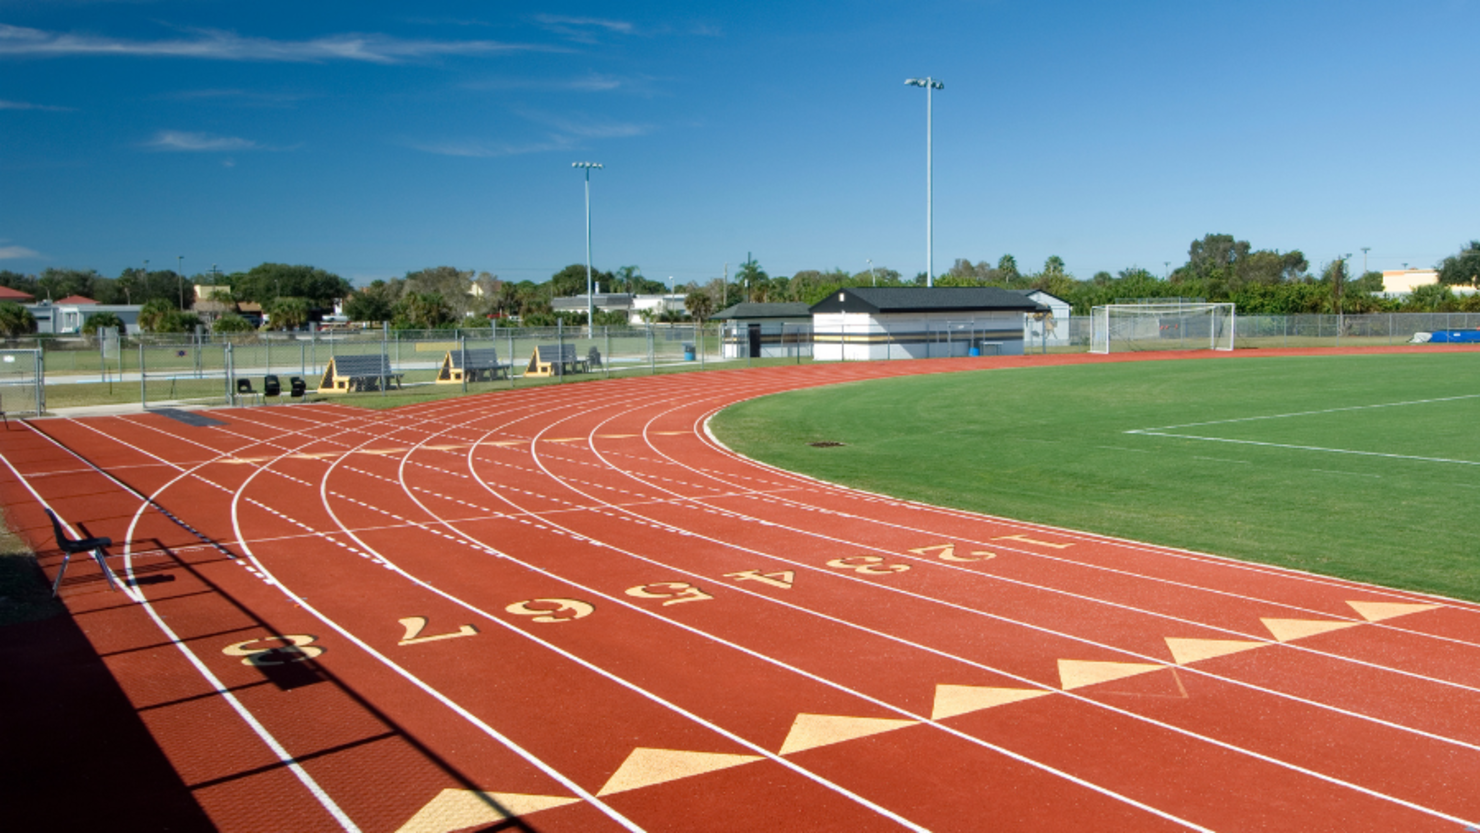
15,295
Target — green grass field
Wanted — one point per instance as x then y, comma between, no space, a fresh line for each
1328,483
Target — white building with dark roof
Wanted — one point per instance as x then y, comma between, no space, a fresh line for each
765,331
865,323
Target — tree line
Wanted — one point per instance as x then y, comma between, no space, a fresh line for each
1218,268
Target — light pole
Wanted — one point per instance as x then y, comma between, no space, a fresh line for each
590,301
180,275
929,84
874,279
1365,250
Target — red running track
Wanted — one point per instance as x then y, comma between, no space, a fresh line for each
572,609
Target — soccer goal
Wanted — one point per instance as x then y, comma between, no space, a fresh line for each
1161,326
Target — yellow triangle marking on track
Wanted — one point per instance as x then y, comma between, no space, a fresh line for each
812,730
645,767
1378,611
564,439
1075,673
671,433
459,809
1192,650
616,436
951,700
505,442
1287,629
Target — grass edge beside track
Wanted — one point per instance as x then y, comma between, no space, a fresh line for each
1062,488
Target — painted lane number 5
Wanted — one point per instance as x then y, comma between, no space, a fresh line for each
674,592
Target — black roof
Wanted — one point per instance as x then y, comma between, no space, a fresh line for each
926,299
750,310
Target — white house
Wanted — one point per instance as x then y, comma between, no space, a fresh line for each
862,323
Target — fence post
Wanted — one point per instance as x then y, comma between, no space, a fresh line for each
607,365
560,340
40,382
652,360
143,395
699,331
462,346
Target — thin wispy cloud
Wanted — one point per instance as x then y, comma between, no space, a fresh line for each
478,149
248,98
589,128
220,45
583,29
17,252
595,83
23,105
179,140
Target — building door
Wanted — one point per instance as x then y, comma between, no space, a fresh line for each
755,341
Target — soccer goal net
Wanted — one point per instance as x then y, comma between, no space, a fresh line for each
1187,326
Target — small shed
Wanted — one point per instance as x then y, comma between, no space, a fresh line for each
915,322
758,331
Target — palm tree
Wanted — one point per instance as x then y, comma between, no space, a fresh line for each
16,320
287,313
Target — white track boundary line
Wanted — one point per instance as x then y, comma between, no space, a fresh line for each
241,710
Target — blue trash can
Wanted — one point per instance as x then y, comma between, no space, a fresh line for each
974,351
688,352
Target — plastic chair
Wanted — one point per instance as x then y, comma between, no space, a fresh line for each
271,386
296,388
244,388
70,546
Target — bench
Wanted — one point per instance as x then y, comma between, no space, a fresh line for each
477,364
554,360
358,373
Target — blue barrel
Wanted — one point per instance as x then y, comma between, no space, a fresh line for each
974,351
688,352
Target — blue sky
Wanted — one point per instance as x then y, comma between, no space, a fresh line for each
374,138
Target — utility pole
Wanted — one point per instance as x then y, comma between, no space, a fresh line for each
1365,250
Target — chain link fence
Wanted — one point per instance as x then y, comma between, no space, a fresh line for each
158,370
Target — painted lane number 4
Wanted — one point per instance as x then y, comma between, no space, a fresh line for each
867,565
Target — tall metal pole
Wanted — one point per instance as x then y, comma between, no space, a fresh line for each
180,275
590,299
930,85
1365,250
929,195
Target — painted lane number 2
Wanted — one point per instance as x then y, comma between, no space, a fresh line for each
947,552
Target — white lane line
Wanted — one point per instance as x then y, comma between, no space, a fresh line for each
242,711
1311,413
1222,744
1293,447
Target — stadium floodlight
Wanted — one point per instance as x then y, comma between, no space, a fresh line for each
590,300
929,84
1183,325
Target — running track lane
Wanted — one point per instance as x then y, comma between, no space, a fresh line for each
1066,680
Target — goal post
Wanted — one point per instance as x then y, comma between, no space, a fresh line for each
1119,328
